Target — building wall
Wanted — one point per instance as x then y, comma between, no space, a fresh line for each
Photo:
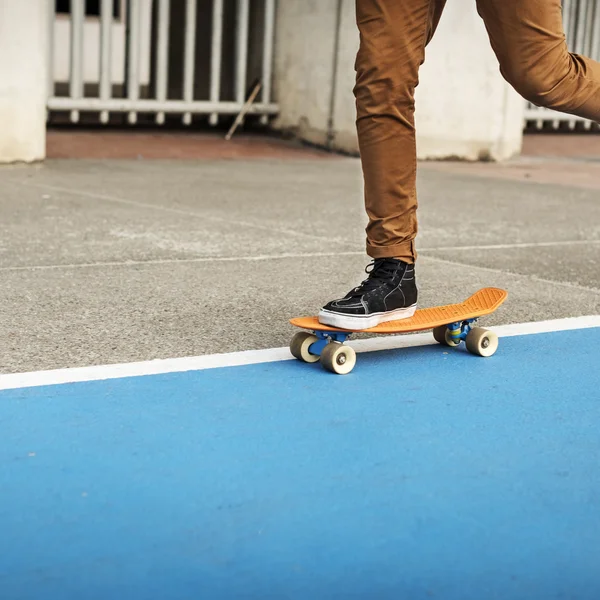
464,108
463,105
23,80
304,66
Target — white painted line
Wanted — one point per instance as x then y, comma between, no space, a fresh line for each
296,255
250,357
201,259
517,246
552,326
137,369
565,284
177,211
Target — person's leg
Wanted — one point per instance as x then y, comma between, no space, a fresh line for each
528,39
393,36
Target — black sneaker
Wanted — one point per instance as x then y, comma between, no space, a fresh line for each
388,294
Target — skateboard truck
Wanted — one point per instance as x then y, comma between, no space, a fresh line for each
459,331
326,337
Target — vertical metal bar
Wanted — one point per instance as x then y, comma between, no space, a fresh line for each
133,55
267,65
566,6
572,23
590,35
589,23
189,57
215,56
76,59
162,58
595,41
565,15
241,50
50,56
580,31
105,54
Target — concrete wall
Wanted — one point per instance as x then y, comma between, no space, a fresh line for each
464,107
304,65
23,84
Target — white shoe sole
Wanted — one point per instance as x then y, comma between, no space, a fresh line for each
357,323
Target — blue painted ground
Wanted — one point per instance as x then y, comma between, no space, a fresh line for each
426,473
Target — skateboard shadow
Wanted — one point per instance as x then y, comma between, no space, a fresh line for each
414,357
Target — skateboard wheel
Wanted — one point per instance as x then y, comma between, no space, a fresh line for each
449,341
300,344
439,334
482,342
338,358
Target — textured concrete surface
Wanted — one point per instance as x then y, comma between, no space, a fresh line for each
105,261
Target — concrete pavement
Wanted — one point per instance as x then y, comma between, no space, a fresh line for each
106,261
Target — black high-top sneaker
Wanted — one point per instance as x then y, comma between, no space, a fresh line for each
388,294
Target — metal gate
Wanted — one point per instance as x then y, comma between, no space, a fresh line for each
581,20
159,58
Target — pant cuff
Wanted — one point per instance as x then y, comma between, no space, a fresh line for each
404,251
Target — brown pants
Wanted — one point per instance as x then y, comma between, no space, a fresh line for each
528,40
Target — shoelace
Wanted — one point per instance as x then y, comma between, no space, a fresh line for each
381,270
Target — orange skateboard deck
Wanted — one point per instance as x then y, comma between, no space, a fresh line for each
451,324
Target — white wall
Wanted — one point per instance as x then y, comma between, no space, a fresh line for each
23,81
464,107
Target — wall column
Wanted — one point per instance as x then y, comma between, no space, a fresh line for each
23,79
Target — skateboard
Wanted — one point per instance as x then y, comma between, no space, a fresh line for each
451,325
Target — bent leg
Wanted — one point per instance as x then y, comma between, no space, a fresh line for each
528,39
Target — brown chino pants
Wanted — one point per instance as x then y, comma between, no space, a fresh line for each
528,40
